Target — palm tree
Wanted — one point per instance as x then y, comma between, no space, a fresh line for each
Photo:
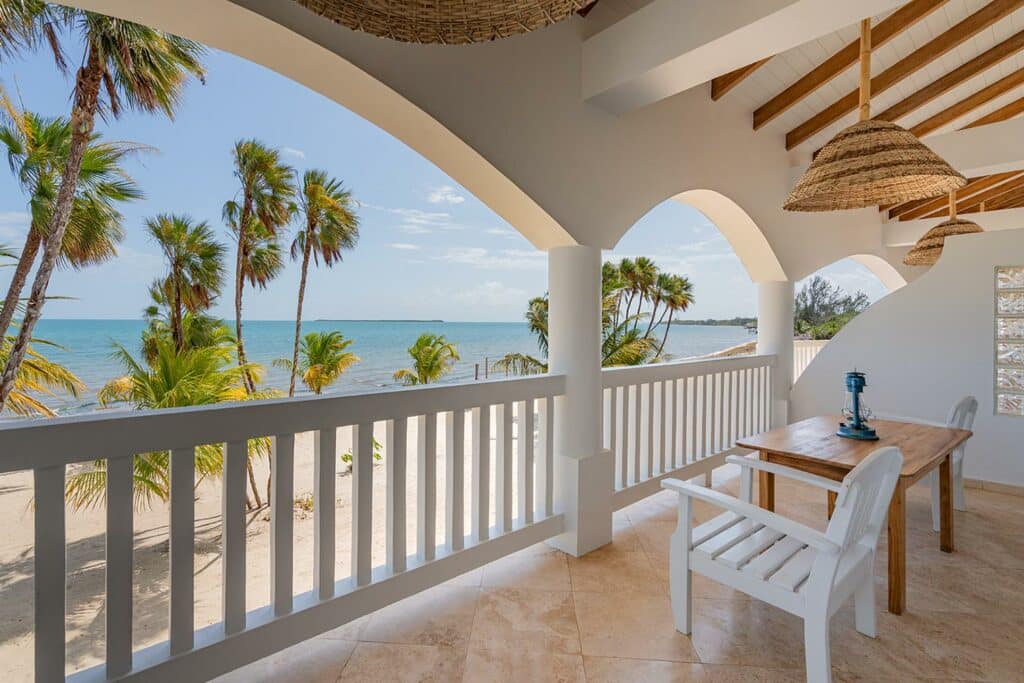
124,65
330,225
174,378
678,299
432,358
195,267
37,148
323,359
263,206
644,278
38,376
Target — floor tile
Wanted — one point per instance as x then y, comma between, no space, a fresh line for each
319,660
391,663
631,625
508,665
442,615
526,620
536,571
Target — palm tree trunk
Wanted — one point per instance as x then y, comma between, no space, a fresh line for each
177,326
20,277
83,119
298,313
668,326
239,286
252,483
650,323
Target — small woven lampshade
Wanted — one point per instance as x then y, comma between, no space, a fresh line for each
448,22
871,162
928,249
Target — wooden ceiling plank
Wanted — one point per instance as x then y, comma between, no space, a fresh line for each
723,84
1008,185
1005,200
886,30
957,76
926,54
926,207
1004,113
970,103
904,207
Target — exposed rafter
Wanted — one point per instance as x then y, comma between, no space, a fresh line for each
957,76
723,84
886,30
970,103
923,207
1004,113
942,44
1009,182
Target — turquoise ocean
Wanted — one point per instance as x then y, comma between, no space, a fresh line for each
88,346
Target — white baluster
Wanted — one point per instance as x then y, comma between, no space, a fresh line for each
233,537
649,420
503,468
426,487
547,472
614,438
455,449
637,433
362,502
50,566
325,458
182,550
395,448
282,514
120,536
481,504
663,424
525,461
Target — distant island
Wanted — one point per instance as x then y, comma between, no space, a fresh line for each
374,320
731,322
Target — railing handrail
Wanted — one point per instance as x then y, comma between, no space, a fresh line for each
79,438
656,372
810,342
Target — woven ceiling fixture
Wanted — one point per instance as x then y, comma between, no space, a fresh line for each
448,22
871,162
929,248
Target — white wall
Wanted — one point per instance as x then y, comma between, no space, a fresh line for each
925,346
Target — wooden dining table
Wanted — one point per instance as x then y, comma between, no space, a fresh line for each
813,446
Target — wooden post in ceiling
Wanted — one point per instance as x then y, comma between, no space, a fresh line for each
865,69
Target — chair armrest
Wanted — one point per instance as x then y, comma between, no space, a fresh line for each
782,470
772,520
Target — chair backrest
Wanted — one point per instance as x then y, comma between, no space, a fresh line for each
962,414
864,498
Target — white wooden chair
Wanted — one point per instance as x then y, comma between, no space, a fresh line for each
961,416
782,562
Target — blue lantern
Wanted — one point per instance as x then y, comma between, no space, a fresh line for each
855,412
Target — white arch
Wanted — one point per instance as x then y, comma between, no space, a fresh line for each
229,27
746,239
882,269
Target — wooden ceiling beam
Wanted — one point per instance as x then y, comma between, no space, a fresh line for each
1006,200
929,52
969,103
1015,181
1004,113
924,207
957,76
886,30
723,84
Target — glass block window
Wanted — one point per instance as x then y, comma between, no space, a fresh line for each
1009,343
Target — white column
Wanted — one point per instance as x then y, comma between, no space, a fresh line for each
583,471
775,336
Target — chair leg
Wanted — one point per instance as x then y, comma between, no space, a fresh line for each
864,606
816,648
933,480
680,583
959,503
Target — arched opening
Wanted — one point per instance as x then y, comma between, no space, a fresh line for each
882,269
707,238
230,27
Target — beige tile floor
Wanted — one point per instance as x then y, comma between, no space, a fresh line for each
540,615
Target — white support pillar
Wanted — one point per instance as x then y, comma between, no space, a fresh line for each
583,471
775,335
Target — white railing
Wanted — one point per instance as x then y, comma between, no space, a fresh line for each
681,419
492,417
804,351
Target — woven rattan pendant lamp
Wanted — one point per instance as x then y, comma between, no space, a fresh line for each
871,162
929,248
447,22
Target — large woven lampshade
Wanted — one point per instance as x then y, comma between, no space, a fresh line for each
929,248
871,162
447,22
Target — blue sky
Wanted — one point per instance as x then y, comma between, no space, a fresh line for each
428,249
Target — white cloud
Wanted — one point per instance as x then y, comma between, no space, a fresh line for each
491,294
404,246
13,224
292,152
417,221
501,232
446,194
505,259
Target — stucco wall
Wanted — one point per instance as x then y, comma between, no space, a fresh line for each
925,346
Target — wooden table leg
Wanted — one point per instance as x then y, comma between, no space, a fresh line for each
946,504
898,549
832,495
766,488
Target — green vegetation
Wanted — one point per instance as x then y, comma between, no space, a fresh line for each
628,336
711,322
322,359
822,308
432,358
